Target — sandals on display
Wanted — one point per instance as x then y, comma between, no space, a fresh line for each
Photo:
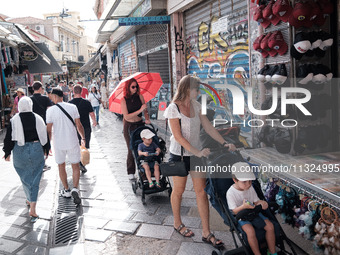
185,232
214,243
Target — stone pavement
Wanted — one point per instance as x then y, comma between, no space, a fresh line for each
112,218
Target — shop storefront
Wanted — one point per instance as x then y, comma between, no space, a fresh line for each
221,42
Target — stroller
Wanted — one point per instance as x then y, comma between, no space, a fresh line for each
218,185
142,182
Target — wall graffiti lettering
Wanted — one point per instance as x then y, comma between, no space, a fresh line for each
179,43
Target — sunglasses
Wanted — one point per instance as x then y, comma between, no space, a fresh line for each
133,87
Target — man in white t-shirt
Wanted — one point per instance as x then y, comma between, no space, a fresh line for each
65,140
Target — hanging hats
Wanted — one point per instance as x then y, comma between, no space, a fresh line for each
300,16
268,14
301,45
319,74
304,74
261,75
258,16
265,47
277,42
257,46
282,9
280,75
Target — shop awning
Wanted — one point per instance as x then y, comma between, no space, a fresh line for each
39,65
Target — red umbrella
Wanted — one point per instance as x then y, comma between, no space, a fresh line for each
149,84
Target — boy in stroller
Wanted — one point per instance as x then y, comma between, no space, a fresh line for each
148,149
245,204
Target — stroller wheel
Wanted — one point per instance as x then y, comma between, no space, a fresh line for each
134,187
170,191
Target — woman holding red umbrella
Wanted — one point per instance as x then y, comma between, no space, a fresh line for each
132,106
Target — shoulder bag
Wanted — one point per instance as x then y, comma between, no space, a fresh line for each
174,168
84,152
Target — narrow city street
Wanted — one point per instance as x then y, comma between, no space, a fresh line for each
111,220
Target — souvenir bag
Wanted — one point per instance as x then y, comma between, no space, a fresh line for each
174,168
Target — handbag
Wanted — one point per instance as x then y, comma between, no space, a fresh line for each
174,168
84,156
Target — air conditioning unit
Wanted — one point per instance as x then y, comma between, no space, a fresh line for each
81,58
40,29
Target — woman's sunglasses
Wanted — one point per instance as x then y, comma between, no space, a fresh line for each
133,87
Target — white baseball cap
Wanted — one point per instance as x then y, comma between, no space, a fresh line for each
243,172
147,133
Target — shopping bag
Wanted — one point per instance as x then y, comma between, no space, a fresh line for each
84,156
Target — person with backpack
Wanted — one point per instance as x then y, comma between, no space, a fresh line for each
95,100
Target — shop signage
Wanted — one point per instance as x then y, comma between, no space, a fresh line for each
133,21
28,54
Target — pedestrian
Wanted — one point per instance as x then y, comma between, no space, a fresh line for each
85,110
149,149
70,87
40,105
62,85
65,120
84,91
104,94
20,93
27,137
185,118
95,99
40,102
132,104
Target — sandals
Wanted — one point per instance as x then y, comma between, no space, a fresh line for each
28,204
151,185
158,186
213,243
184,233
34,219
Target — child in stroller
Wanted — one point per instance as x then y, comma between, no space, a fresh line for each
242,199
142,182
146,150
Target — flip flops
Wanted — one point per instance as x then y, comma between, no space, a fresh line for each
213,243
34,219
184,233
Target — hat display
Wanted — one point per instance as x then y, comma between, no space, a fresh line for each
319,73
300,16
304,74
258,16
243,172
268,14
265,47
261,75
327,40
277,42
270,73
257,46
280,75
146,133
282,9
301,45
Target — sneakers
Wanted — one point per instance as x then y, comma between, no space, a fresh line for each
75,195
131,176
66,193
46,167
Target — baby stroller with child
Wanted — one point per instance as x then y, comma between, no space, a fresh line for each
217,186
141,181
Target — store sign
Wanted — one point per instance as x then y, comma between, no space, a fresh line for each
28,54
133,21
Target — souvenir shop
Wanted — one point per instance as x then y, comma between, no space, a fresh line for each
292,45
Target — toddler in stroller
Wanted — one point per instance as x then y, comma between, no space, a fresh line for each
146,151
245,204
217,186
146,170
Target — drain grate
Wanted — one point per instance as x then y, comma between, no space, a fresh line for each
66,223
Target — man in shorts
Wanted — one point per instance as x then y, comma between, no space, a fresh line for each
65,140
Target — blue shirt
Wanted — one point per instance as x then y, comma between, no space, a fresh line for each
150,149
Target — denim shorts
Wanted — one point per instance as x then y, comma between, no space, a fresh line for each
244,222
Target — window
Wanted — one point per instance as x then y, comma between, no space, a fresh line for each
61,43
67,44
73,46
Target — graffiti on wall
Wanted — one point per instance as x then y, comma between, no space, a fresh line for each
128,57
219,58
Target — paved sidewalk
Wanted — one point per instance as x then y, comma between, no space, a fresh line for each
113,219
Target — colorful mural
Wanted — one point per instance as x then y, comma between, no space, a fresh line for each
219,59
